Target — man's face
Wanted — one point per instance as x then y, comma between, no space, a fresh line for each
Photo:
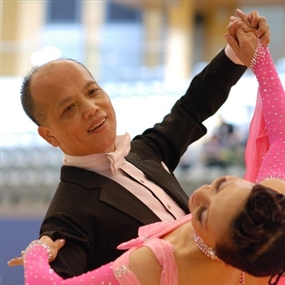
80,118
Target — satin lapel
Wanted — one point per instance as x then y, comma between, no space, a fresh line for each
162,178
118,197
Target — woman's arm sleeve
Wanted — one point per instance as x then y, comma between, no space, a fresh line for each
271,93
38,271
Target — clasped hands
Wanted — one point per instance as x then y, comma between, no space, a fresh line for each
243,32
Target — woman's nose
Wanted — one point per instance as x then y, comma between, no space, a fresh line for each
203,194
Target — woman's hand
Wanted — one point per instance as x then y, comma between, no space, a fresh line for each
251,21
259,24
240,37
54,246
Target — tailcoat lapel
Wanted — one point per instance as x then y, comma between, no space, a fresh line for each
162,178
121,199
111,193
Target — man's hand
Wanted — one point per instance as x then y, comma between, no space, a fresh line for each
54,246
243,44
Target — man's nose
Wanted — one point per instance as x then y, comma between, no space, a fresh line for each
89,109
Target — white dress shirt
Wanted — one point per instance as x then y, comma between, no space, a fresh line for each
114,166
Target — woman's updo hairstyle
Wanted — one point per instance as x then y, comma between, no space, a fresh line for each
255,242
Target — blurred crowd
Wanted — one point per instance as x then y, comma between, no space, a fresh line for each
224,148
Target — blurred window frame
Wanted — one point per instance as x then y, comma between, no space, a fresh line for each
63,12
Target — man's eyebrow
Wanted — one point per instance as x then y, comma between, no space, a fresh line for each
90,82
66,100
63,102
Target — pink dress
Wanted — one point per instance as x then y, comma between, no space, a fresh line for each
264,159
38,271
264,156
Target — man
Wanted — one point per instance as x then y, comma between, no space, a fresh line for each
110,187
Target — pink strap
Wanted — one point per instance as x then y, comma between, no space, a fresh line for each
154,230
149,236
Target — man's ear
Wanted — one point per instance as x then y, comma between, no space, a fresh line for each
45,133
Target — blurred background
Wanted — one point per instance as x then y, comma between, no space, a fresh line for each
144,54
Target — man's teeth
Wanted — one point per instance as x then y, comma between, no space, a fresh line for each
95,127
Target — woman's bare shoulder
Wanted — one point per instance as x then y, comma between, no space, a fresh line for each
276,184
145,266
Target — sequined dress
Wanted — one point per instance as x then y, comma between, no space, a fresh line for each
38,271
264,156
264,159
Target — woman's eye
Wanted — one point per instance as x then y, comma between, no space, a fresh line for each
219,183
200,212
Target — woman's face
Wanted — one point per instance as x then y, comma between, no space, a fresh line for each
215,206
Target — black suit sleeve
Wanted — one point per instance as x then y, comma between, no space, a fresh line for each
210,88
183,125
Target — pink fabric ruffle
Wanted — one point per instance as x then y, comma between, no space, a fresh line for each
257,144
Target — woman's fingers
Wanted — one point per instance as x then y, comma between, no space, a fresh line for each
54,246
259,24
17,261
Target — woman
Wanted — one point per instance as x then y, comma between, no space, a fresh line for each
236,232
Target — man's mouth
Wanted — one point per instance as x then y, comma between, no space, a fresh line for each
97,126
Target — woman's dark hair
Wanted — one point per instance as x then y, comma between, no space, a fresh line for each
255,242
